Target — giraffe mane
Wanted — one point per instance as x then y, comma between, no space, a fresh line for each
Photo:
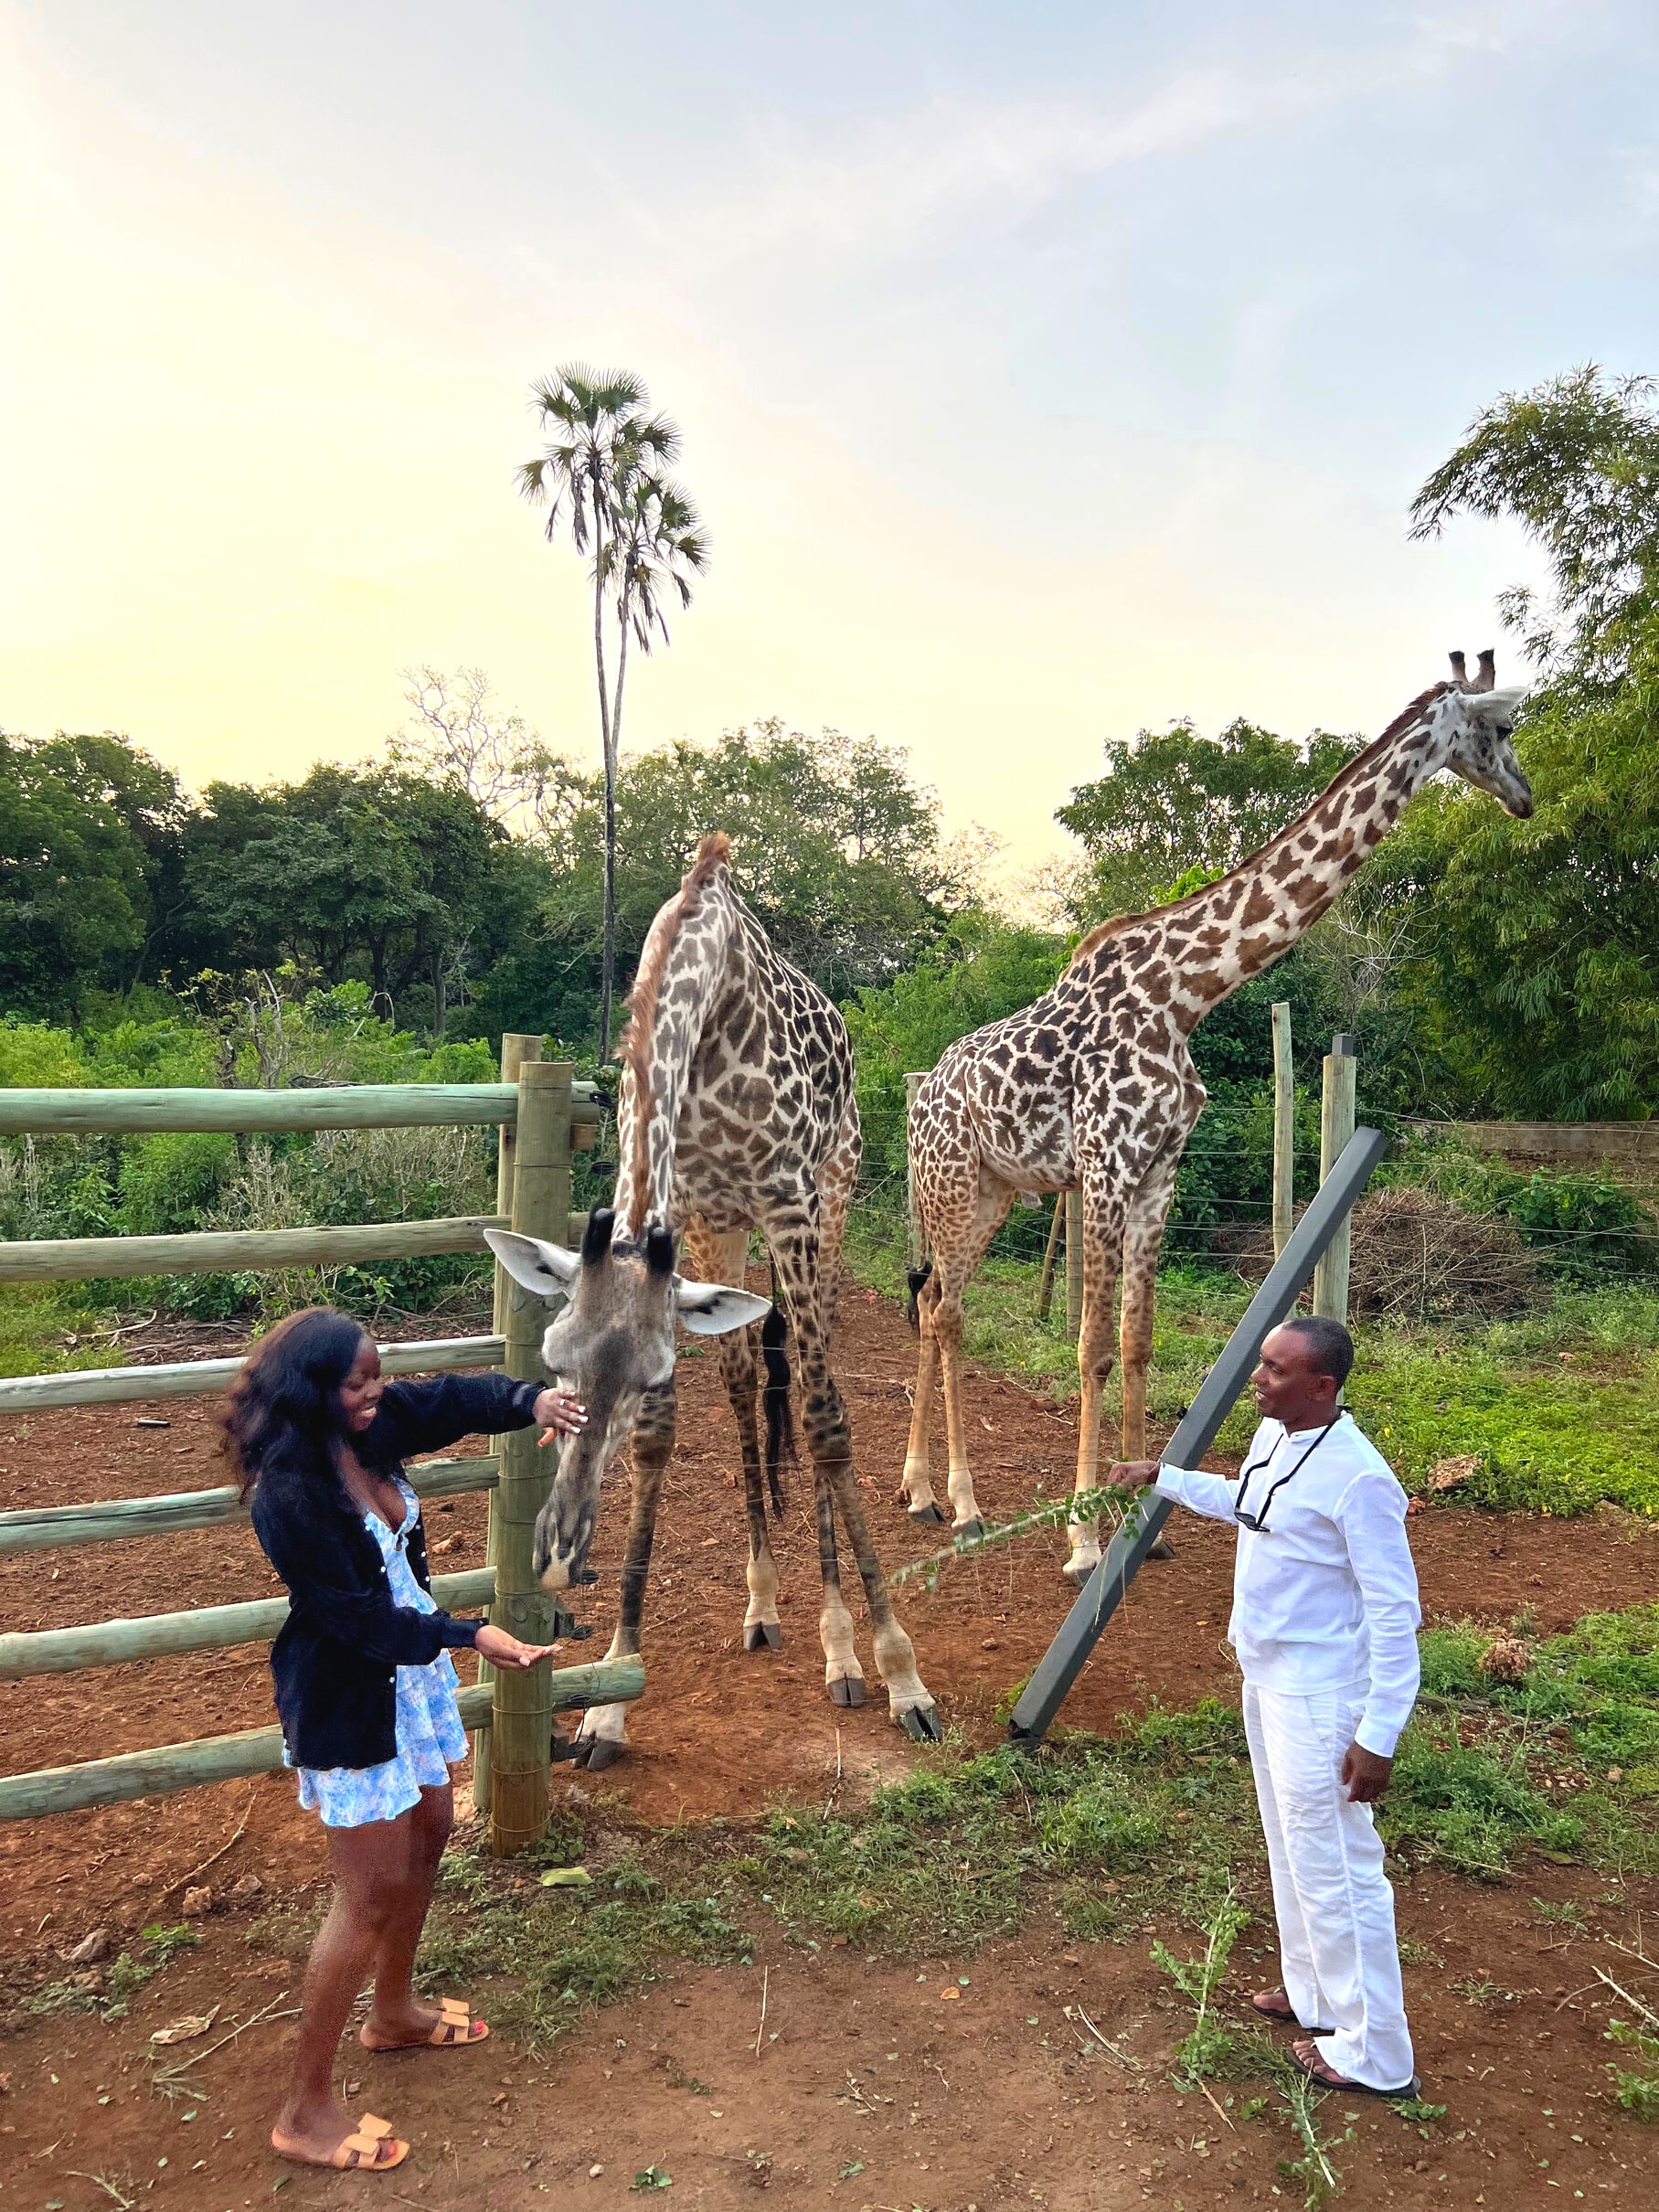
1361,764
638,1038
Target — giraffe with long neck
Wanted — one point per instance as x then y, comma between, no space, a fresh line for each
1094,1085
735,1112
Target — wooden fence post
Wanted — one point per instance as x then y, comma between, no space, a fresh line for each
1045,1281
914,1254
522,1708
1284,1129
1336,1127
1074,1264
515,1049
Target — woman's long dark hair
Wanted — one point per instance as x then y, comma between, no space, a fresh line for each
286,1394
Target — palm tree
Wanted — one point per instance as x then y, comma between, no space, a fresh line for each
601,475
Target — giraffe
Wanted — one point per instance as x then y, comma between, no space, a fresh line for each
735,1112
1094,1085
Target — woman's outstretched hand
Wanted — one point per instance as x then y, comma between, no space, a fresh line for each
560,1413
502,1650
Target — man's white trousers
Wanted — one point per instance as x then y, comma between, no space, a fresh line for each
1334,1906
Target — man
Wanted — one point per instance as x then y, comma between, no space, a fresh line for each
1324,1625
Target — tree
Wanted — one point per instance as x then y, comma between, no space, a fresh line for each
455,733
604,476
1576,461
835,848
368,872
1172,801
1539,981
87,832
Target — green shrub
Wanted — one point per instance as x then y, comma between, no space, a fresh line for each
1583,1224
169,1184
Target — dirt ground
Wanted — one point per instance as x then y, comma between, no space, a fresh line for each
992,2099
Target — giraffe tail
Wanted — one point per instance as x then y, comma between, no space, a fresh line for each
915,1279
780,1411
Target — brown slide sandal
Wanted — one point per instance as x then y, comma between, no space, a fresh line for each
372,2149
453,2027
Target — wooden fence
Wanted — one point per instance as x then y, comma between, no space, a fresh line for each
542,1116
1599,1143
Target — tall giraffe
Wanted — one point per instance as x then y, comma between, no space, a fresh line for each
1094,1084
735,1113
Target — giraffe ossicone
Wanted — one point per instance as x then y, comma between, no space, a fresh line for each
1093,1087
735,1115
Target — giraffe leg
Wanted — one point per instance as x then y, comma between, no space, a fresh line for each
725,1259
603,1736
829,1441
1102,1241
916,1492
843,1675
952,1271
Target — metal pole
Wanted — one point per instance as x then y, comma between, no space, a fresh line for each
1284,1129
913,1249
515,1050
1074,1264
523,1704
1336,1127
1103,1592
1044,1286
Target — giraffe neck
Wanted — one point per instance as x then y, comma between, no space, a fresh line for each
1219,937
683,970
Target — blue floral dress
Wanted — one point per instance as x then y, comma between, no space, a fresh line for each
431,1739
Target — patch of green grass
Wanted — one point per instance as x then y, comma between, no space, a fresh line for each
35,1319
110,1992
1468,1782
564,1952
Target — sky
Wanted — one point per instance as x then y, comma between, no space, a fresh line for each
1045,373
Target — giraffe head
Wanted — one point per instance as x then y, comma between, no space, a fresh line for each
610,1340
1475,722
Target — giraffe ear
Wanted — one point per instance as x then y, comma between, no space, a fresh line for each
711,1309
1496,705
546,1269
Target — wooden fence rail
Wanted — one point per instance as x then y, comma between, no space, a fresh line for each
333,1106
543,1117
22,1394
190,1766
204,1627
118,1520
226,1251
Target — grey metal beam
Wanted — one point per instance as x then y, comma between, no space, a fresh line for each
1103,1592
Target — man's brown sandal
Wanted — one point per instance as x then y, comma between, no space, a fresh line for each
453,2026
372,2149
1307,2061
1267,2003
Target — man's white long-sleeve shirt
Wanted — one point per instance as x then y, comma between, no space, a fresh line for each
1325,1593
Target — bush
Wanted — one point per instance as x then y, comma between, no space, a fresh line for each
1584,1225
169,1184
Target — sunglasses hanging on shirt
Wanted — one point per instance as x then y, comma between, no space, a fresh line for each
1257,1522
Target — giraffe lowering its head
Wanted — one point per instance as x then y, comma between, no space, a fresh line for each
735,1113
1094,1085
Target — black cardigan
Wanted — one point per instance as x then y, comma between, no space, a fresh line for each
335,1660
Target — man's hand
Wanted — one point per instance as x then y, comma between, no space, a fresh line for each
1132,1474
560,1413
1365,1774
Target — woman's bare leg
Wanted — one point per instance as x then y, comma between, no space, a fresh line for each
375,1886
397,2016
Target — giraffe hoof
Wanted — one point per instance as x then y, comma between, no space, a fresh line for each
923,1724
1078,1571
848,1691
1162,1550
763,1636
970,1532
929,1514
599,1752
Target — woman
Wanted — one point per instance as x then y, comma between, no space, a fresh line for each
365,1686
